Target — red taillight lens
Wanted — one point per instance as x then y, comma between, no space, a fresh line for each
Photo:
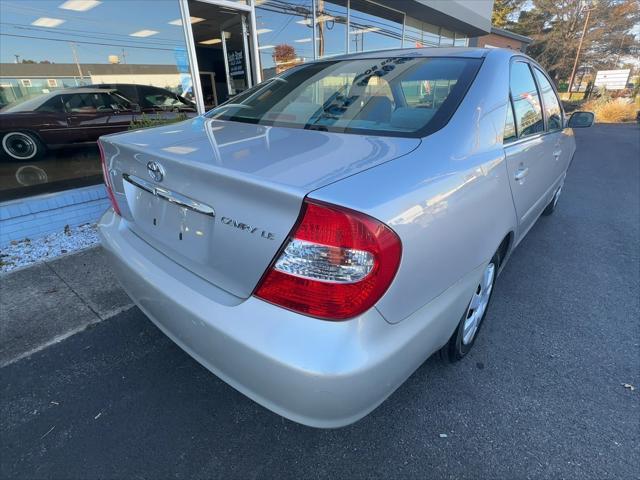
336,265
107,180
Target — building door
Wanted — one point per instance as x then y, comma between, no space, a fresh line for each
235,47
223,46
208,84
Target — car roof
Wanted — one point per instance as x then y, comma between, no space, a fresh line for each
137,85
83,90
32,103
430,52
463,52
116,86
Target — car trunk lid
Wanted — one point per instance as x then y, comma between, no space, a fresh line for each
220,197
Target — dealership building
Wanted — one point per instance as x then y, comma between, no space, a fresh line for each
200,51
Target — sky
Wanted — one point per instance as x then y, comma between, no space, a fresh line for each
96,33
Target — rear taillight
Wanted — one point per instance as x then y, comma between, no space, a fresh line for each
336,265
107,180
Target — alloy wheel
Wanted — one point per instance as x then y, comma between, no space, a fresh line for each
478,305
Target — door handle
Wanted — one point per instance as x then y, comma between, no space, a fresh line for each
521,173
557,154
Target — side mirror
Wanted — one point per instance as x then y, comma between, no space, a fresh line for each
581,119
135,108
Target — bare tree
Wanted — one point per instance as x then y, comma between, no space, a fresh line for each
556,28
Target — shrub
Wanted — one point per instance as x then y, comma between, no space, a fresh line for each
572,105
611,111
147,121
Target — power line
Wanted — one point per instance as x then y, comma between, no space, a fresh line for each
85,42
68,31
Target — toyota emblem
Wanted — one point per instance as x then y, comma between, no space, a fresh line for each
156,172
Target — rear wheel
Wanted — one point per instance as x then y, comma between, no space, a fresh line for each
21,146
465,335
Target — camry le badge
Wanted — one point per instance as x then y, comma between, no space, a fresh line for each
155,170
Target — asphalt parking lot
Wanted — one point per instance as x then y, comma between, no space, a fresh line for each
542,394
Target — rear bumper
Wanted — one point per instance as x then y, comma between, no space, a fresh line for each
322,374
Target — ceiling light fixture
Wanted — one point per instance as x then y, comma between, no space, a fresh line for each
80,5
143,33
319,19
192,20
365,30
47,22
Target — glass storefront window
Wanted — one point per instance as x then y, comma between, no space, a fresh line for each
431,35
446,38
419,34
71,71
285,34
461,40
413,33
331,27
374,27
91,67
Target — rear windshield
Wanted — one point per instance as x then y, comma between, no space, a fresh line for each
396,96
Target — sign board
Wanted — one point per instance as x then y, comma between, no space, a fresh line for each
612,79
236,64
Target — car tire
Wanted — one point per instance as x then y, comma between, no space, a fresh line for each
467,330
553,203
21,146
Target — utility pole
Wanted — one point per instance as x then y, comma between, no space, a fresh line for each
124,57
320,27
75,58
624,34
575,64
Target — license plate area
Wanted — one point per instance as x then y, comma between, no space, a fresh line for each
170,221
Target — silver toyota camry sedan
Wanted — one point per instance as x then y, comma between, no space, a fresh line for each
317,238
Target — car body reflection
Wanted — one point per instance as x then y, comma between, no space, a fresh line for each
78,115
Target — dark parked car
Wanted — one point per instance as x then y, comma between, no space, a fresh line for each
150,99
63,117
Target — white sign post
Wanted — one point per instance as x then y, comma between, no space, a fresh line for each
612,79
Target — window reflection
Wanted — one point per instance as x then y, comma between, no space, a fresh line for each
285,34
331,27
446,38
73,71
419,34
526,101
374,27
461,40
551,103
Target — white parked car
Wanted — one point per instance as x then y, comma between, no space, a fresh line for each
317,238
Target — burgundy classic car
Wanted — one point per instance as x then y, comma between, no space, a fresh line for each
64,117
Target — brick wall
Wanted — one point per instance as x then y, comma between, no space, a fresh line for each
44,214
498,41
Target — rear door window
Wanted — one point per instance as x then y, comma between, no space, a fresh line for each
526,100
53,105
552,108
